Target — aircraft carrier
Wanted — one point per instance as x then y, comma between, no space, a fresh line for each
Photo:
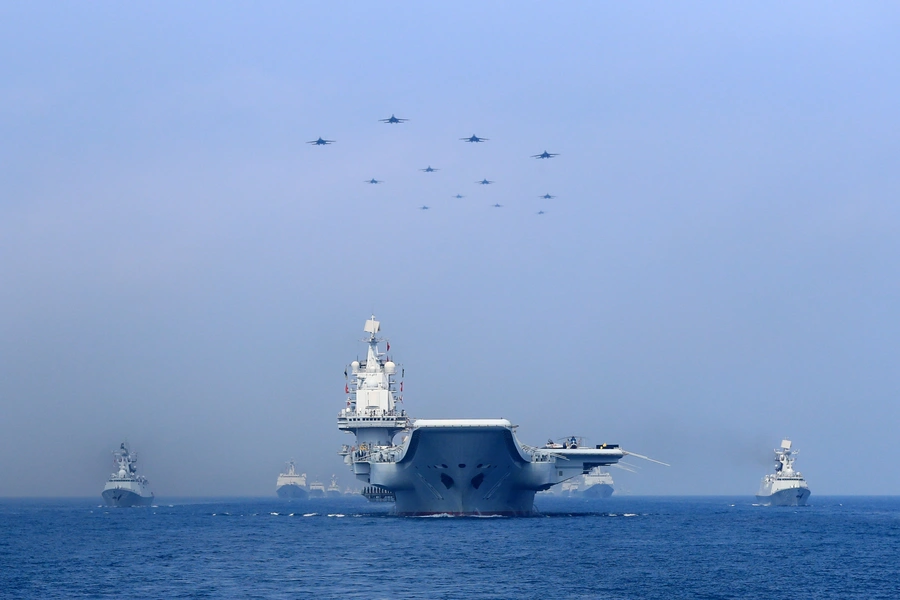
125,487
446,466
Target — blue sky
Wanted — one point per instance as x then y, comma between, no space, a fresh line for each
179,269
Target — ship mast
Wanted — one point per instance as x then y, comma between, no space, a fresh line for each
784,460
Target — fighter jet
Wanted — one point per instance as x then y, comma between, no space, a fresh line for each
373,180
459,196
484,182
429,170
547,197
423,207
393,120
544,154
540,212
474,139
321,142
498,206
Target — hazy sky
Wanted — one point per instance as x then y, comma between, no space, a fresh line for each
719,268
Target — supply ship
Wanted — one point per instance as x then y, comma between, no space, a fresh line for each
784,487
446,466
290,484
316,489
125,487
598,484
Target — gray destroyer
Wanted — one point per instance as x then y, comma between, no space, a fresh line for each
446,466
784,487
125,487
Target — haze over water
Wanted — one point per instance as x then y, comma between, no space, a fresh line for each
179,269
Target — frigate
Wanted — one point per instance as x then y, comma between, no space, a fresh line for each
125,487
446,466
291,484
333,489
784,487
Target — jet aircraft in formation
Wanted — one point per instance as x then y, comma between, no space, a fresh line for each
474,139
392,119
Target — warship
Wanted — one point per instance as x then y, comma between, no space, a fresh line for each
597,484
445,466
784,487
125,487
291,484
316,489
333,489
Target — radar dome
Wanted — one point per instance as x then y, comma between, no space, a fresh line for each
354,366
390,368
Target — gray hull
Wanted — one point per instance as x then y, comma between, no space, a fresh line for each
601,490
125,498
292,492
459,471
788,497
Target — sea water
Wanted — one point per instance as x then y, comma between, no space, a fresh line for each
622,547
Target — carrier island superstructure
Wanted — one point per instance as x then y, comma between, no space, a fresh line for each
784,487
446,466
